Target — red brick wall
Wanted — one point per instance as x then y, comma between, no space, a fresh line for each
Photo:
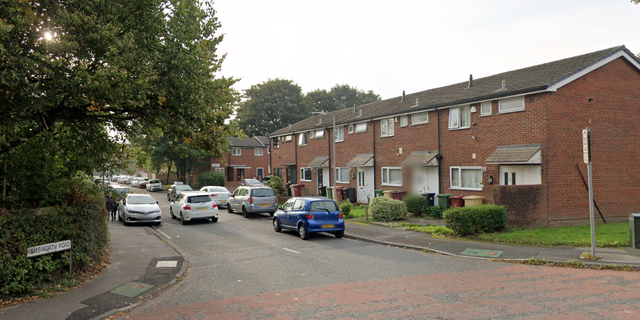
353,144
526,204
286,153
316,147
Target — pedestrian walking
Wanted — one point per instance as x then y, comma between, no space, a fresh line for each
112,206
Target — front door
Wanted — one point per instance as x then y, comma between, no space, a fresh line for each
425,180
260,173
320,179
239,174
365,184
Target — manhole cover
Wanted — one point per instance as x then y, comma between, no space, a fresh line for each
482,253
132,289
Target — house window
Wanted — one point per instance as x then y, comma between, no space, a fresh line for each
459,118
392,176
302,139
467,178
361,127
288,138
342,175
511,105
268,149
276,143
339,134
404,121
386,127
236,151
419,118
485,109
258,152
277,172
319,133
350,129
305,174
312,134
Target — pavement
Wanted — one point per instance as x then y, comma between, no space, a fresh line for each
143,265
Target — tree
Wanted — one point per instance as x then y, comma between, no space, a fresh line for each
271,105
340,96
71,69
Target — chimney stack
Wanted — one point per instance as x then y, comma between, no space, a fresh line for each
470,81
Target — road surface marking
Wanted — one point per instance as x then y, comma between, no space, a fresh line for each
164,234
292,251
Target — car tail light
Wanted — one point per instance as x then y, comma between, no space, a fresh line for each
340,215
215,205
250,200
276,199
187,207
230,195
214,195
308,215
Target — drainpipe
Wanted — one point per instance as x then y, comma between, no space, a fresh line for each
439,155
329,137
373,133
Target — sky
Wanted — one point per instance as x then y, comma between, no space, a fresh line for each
413,45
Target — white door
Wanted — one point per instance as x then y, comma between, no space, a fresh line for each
425,180
365,184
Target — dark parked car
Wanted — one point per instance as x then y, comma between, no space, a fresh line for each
175,190
307,215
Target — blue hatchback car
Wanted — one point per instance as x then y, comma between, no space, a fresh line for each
307,215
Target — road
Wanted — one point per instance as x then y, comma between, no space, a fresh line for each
241,269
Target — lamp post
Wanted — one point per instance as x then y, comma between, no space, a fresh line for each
334,193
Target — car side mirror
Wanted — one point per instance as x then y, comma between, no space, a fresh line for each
124,201
280,208
157,202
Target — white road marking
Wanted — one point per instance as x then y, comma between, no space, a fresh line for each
291,250
163,233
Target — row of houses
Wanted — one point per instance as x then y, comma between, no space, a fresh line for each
513,138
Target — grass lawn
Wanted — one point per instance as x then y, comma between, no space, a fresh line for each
356,212
607,235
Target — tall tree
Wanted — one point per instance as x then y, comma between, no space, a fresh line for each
340,96
270,106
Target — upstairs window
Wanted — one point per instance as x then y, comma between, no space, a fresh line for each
350,129
276,143
302,139
258,152
338,136
319,133
288,138
404,121
511,105
459,118
419,118
485,109
386,127
236,151
361,127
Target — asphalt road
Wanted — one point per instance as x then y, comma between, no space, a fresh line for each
241,269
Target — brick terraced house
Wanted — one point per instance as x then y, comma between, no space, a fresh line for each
513,138
247,158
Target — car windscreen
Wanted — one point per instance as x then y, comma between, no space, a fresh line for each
263,193
154,181
198,199
323,206
182,187
218,189
141,200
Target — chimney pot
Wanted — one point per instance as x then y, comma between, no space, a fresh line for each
470,81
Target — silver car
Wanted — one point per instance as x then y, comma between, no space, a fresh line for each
154,185
139,208
250,200
219,194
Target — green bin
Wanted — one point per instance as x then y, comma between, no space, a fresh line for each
443,200
378,192
330,192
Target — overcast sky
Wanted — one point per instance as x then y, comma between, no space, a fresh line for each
394,45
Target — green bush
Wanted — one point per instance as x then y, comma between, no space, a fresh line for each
275,182
345,207
385,209
478,219
416,204
435,211
79,217
211,178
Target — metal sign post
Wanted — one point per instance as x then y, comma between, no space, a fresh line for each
586,152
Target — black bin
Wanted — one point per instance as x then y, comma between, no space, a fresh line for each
288,185
349,193
322,191
430,198
634,230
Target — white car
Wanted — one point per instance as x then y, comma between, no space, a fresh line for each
219,194
139,208
193,205
154,185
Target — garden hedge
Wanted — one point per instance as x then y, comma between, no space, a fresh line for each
477,219
385,209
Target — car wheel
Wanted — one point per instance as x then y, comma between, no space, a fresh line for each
340,234
214,219
276,225
229,208
173,216
244,212
302,231
182,221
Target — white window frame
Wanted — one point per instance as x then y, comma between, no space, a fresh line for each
338,135
482,108
351,129
288,138
404,121
386,176
413,118
387,124
359,127
258,152
456,114
319,134
512,100
338,175
459,186
303,177
236,151
312,134
301,137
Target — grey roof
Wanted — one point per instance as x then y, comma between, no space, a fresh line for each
421,158
319,162
518,82
361,160
255,142
515,154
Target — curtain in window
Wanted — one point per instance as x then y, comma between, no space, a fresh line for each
344,175
454,115
455,177
395,176
471,178
383,128
465,117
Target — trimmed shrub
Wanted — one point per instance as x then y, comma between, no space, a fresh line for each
416,204
275,183
478,219
345,207
435,211
211,178
385,209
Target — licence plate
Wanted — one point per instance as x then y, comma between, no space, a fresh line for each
328,226
223,201
203,208
265,204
